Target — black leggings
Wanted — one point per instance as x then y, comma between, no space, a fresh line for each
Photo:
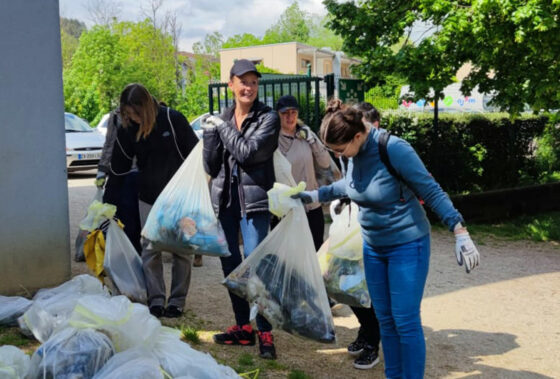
369,326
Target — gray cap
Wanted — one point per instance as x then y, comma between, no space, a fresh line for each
241,67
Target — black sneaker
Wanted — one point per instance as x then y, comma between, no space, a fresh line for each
172,311
367,359
356,347
157,310
266,345
236,335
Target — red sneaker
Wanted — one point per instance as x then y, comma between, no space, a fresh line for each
236,335
266,345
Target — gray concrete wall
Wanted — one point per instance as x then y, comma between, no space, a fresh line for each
34,233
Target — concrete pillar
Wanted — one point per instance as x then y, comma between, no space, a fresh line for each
34,232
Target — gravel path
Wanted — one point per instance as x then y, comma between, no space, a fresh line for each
501,321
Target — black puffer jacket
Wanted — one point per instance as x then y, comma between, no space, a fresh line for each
250,150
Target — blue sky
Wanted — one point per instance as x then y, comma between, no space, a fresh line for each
199,17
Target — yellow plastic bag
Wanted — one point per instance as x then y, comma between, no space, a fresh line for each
279,200
94,251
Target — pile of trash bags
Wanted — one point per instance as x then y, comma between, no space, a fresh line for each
182,219
86,333
281,279
341,259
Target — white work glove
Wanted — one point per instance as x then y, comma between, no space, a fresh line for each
100,179
210,122
466,252
307,197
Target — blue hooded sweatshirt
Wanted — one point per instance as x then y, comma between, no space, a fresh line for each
385,219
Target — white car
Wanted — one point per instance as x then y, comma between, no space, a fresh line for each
83,144
102,124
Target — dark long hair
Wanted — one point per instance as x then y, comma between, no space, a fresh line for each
137,97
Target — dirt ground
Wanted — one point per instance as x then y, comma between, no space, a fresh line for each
501,321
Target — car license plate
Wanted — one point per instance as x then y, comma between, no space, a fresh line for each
89,156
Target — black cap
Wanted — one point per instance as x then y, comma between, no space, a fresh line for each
241,67
287,102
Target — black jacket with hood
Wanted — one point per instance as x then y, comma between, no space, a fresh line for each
249,151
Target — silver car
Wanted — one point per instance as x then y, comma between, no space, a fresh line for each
83,144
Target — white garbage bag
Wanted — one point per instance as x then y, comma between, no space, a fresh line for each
136,363
71,354
14,363
123,265
12,307
177,358
128,324
182,220
52,307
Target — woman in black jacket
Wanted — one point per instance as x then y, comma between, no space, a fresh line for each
160,139
238,150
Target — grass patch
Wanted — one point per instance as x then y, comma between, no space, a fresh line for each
298,374
12,336
190,334
540,227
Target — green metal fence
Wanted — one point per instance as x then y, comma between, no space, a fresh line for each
304,88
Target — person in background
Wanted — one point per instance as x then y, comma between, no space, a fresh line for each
159,139
125,195
238,150
304,151
395,230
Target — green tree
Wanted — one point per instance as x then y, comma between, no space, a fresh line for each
211,44
242,40
513,46
72,27
321,36
292,26
109,57
193,101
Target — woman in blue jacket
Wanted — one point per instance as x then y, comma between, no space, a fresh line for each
395,230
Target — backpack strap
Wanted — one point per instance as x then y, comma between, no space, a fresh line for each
384,155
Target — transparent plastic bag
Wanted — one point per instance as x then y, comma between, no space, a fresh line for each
344,279
128,324
12,307
14,363
97,213
133,363
282,169
123,265
182,219
71,353
177,358
279,200
345,234
52,307
282,281
82,233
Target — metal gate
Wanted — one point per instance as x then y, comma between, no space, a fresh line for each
304,88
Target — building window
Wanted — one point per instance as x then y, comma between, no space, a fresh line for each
305,62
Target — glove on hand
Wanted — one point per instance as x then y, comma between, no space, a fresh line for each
466,251
100,179
306,134
307,197
210,122
340,203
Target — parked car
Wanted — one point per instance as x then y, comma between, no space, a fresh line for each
83,144
102,124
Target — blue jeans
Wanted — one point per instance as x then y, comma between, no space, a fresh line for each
254,228
396,276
